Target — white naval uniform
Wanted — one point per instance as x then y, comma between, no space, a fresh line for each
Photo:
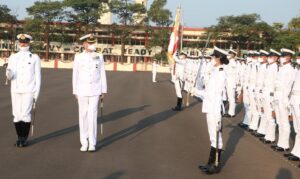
89,82
268,97
246,94
295,106
154,71
255,114
179,75
261,75
213,104
25,75
283,85
231,82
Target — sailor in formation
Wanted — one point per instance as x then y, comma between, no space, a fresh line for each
231,71
180,63
213,107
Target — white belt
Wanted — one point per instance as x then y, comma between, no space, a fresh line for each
278,89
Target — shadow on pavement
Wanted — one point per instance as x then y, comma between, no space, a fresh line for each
107,118
234,137
139,126
284,173
115,175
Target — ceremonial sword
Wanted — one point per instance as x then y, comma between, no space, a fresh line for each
217,143
33,117
102,118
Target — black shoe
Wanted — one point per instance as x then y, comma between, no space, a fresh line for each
268,142
259,135
243,126
288,155
211,159
228,116
253,133
280,149
18,143
18,126
178,106
293,158
250,130
24,142
274,146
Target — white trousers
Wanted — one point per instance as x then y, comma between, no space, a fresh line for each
282,119
178,87
247,117
266,115
21,106
254,112
88,109
295,103
231,100
153,76
212,125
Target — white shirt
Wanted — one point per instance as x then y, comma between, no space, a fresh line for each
261,75
253,75
270,77
26,73
296,86
284,81
89,77
213,95
179,67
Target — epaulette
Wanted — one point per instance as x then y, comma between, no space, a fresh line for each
221,69
30,55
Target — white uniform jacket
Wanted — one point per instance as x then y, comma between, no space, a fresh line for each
283,83
212,102
26,73
89,77
179,68
231,71
269,79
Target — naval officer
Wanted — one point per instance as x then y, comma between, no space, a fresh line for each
89,84
24,71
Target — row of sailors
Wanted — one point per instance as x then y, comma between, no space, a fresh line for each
266,82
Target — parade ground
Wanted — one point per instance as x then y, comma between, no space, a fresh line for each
143,138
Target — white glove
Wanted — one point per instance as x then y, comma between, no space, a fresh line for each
9,74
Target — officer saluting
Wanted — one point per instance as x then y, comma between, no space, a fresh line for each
24,71
213,107
89,83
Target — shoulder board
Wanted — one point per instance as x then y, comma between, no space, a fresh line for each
221,69
30,55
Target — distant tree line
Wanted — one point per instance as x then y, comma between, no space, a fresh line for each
81,16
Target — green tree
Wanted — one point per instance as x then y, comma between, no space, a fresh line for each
7,17
5,14
161,17
294,24
130,16
243,31
44,13
83,14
